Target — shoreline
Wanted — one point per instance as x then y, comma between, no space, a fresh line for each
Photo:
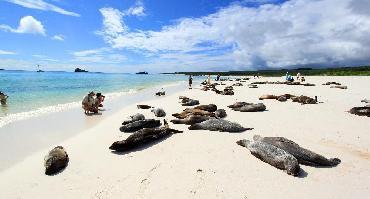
205,164
29,135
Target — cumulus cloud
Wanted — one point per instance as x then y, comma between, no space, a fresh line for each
27,24
100,55
136,10
296,32
42,5
4,52
58,37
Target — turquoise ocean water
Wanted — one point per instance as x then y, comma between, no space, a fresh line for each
32,93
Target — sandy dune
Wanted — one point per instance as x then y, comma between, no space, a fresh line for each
203,164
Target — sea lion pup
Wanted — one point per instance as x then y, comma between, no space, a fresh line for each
218,125
304,156
190,111
143,106
304,100
190,102
140,124
56,160
341,87
251,108
263,97
272,155
330,83
360,111
209,107
158,112
191,119
143,136
220,113
136,117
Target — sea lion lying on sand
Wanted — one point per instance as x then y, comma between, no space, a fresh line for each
237,84
158,112
191,119
219,125
142,137
220,113
136,117
263,97
56,160
238,104
304,100
341,87
251,108
330,83
142,106
361,111
272,155
365,101
140,124
304,156
191,111
209,107
190,102
160,93
252,86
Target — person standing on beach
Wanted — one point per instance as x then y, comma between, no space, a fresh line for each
190,81
88,102
209,80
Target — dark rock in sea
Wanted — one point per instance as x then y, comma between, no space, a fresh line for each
79,70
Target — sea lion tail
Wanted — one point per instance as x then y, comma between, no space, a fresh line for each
243,142
335,161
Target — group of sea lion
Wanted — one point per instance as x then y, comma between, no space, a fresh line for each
285,154
335,85
282,98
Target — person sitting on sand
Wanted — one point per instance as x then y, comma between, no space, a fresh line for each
289,78
88,102
190,81
3,98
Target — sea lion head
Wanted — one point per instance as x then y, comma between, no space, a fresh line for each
292,166
243,142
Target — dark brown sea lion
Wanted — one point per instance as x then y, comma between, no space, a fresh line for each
140,124
251,108
143,106
304,100
56,160
361,111
209,107
219,125
272,155
331,83
191,119
142,137
304,156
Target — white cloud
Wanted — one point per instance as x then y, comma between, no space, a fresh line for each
297,32
27,24
58,37
136,10
4,52
42,5
101,55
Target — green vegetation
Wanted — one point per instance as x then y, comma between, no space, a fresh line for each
343,71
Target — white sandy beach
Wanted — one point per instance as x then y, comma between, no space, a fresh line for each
204,164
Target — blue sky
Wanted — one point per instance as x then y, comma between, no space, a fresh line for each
192,35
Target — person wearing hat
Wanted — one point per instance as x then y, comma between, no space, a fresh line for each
3,98
88,102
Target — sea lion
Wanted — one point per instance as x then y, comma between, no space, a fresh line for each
158,112
252,86
141,137
160,93
190,111
330,83
268,97
190,102
251,108
220,113
56,160
219,125
304,156
282,98
237,84
272,155
304,100
238,104
143,106
365,100
140,124
360,111
191,119
209,107
341,87
136,117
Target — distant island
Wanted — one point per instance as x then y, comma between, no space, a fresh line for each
339,71
142,73
1,69
79,70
